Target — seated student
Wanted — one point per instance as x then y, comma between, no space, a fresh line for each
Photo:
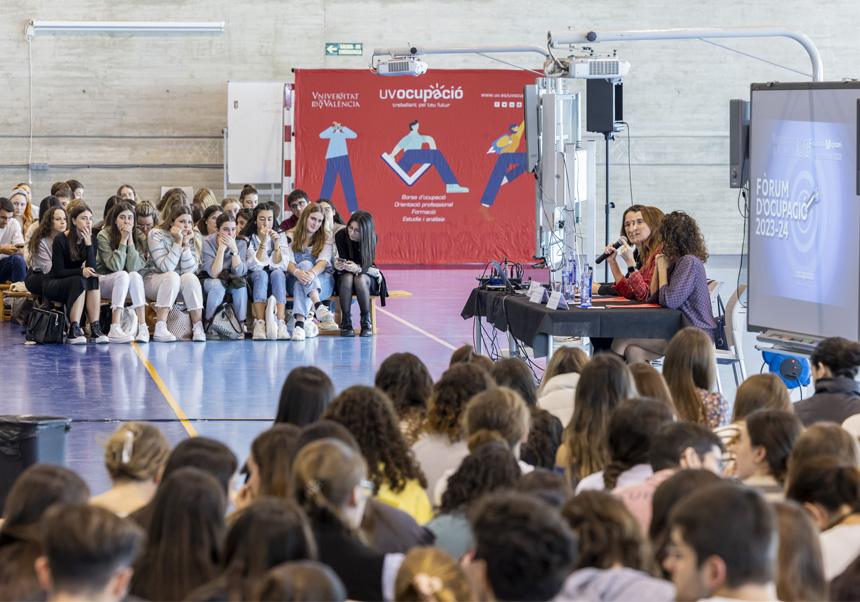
206,454
297,200
184,542
309,253
558,385
135,456
231,205
524,550
632,428
147,218
330,484
62,191
407,382
552,487
73,279
799,565
680,282
37,489
119,259
490,467
613,561
249,198
224,264
88,553
723,545
466,354
830,491
641,227
126,193
48,201
242,218
497,409
357,273
267,258
383,527
758,392
546,429
268,533
77,189
171,272
667,495
333,221
299,581
370,417
825,439
23,212
430,574
690,369
12,265
109,204
40,247
675,446
762,449
268,466
604,382
837,395
170,199
306,393
205,198
442,445
208,222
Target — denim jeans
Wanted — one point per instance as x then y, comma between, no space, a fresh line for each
264,283
215,292
324,284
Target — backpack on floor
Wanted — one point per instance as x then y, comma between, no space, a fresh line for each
224,323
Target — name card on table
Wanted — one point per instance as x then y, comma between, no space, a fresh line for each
538,295
557,301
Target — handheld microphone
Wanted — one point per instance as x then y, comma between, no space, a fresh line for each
615,245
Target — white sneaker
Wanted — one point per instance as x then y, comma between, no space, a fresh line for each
161,334
298,334
455,188
311,329
198,335
324,313
271,320
283,331
259,330
118,335
142,333
328,324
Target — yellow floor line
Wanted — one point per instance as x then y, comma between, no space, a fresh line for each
166,392
413,327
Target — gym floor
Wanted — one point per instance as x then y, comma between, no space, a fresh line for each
229,390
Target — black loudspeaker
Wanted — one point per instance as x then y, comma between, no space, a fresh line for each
739,150
603,106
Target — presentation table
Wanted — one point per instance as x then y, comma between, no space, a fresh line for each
536,325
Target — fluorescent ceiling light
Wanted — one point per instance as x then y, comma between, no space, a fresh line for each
128,27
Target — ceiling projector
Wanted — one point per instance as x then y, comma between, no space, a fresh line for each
587,67
406,65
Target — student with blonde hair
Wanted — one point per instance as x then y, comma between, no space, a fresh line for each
205,198
431,575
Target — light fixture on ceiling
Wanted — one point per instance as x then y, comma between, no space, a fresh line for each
123,27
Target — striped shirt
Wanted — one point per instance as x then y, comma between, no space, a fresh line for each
167,255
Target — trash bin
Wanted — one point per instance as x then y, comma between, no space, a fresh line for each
26,440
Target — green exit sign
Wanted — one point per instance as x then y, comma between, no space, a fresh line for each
343,49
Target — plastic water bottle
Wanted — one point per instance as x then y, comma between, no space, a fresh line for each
585,287
570,277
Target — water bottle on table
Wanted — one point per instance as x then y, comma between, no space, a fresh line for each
585,287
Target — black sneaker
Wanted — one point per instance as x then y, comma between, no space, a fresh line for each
366,326
346,327
76,335
96,333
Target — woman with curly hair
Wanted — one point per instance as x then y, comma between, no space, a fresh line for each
491,466
443,444
369,415
680,282
407,382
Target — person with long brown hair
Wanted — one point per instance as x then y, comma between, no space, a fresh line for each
431,575
640,227
762,450
799,565
40,247
605,381
650,383
120,257
267,258
690,369
269,465
309,280
369,415
680,282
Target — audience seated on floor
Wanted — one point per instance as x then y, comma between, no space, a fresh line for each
558,384
762,449
834,362
408,384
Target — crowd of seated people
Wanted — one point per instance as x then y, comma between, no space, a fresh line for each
422,490
204,259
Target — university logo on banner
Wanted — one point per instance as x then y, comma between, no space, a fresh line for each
439,160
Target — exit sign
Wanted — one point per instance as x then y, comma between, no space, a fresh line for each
343,49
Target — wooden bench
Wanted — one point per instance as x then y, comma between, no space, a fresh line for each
6,313
338,316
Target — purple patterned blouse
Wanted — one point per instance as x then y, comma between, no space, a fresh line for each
688,291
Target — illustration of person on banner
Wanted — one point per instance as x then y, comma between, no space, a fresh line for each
510,164
337,164
414,154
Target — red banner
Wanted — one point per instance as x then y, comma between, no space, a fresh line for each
439,159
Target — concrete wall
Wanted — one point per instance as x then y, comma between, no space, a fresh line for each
102,104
